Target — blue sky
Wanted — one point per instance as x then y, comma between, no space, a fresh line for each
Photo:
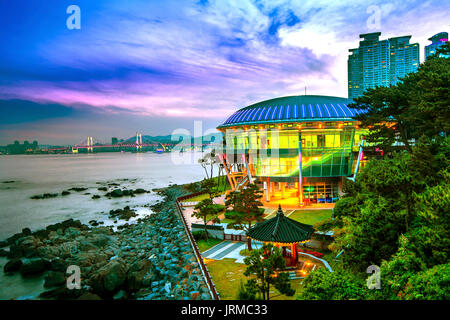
154,66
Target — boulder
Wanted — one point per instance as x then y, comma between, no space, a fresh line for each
137,273
15,252
110,277
12,266
54,279
121,295
13,238
32,267
58,264
72,232
89,296
116,193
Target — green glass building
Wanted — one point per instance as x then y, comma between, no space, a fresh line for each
269,141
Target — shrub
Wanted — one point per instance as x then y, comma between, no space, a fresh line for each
199,235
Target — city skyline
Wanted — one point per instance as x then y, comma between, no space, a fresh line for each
155,67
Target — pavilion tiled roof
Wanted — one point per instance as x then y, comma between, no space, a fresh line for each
281,229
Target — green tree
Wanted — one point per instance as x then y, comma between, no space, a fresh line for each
337,285
262,264
245,209
431,284
203,210
248,290
210,187
417,106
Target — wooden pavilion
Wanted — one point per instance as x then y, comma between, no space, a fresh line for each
283,233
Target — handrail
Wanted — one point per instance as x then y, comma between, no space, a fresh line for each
206,275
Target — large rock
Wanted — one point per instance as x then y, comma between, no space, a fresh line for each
87,259
58,264
12,266
54,279
137,273
110,277
89,296
32,267
15,252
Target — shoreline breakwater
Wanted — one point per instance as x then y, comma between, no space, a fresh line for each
149,260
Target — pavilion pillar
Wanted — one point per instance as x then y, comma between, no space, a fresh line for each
268,190
300,177
296,252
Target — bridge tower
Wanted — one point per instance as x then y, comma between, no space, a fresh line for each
90,144
138,141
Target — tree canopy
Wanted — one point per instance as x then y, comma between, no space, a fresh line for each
396,213
417,106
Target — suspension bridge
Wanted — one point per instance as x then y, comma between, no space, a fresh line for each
90,144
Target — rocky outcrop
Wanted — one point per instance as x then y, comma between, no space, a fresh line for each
148,260
109,278
33,267
54,279
12,266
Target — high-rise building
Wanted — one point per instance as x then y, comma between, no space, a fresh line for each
380,62
437,41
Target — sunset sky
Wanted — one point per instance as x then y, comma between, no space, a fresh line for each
155,66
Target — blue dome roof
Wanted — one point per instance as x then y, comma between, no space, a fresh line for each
294,109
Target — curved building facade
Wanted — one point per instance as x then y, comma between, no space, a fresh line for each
269,141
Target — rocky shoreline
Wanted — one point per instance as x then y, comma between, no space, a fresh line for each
151,259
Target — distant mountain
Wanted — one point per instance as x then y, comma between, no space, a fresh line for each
168,139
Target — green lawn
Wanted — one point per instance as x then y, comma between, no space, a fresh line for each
204,245
227,274
200,197
311,216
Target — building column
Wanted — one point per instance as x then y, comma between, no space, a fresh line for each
300,177
268,190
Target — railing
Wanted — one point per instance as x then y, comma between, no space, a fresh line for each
206,275
235,237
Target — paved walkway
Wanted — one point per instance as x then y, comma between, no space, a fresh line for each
189,210
229,249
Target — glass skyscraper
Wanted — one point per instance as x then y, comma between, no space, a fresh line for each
437,40
380,62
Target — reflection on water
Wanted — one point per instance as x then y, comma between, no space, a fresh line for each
15,286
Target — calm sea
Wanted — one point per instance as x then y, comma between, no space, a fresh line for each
38,174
